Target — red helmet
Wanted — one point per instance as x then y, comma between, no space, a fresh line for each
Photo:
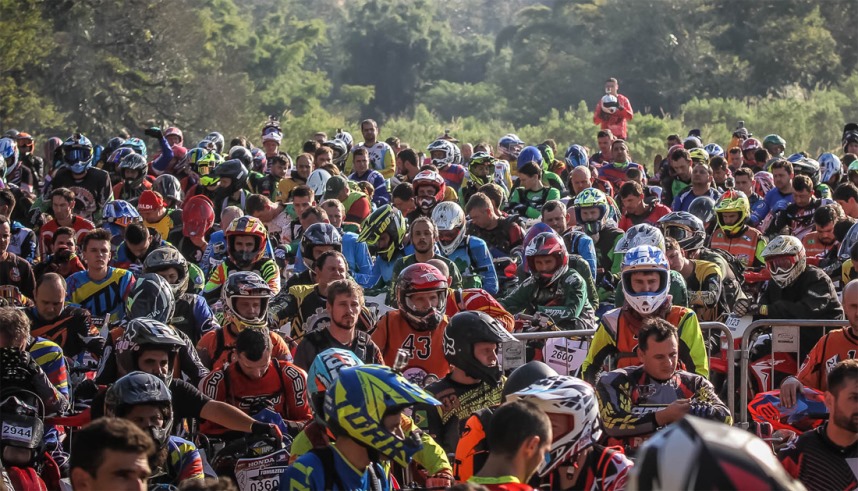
197,216
429,178
173,131
547,244
751,144
422,278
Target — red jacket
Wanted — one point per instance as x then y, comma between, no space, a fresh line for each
615,122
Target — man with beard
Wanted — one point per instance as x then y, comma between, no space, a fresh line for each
823,239
345,305
822,458
424,235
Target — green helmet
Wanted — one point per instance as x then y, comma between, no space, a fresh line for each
591,198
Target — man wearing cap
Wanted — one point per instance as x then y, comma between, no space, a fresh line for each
355,202
156,215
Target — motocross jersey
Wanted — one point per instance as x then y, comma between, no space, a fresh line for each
432,457
17,272
315,342
704,290
796,221
651,215
46,233
101,298
683,201
91,192
283,388
603,469
49,356
307,310
425,347
605,244
216,252
125,259
565,301
183,463
830,350
380,195
69,330
131,195
474,261
478,300
761,209
381,158
617,172
617,335
581,244
215,347
818,462
309,473
266,269
629,398
170,222
814,248
501,240
382,272
677,289
453,175
357,257
501,483
193,316
404,262
747,245
615,122
267,185
532,201
22,242
287,185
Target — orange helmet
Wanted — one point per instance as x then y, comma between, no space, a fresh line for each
246,227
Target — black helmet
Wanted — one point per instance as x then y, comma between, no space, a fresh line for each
807,166
216,139
23,414
319,234
169,257
152,298
143,334
463,332
135,162
242,154
170,188
235,170
136,389
112,145
703,207
525,376
245,284
686,228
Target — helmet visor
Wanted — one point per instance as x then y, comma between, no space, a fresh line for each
78,154
780,264
677,232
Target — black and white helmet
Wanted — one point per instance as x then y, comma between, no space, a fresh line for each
151,298
170,188
165,258
448,149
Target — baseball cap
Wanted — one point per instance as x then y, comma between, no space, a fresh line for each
150,200
335,186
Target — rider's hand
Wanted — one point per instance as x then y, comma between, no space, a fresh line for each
154,132
266,429
674,412
442,479
789,389
745,306
542,322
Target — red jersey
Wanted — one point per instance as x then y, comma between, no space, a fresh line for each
215,347
651,217
615,122
481,300
830,350
80,226
426,347
283,388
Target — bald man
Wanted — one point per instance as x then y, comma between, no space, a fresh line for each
68,326
831,349
581,179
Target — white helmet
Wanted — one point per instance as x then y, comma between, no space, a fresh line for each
449,216
645,259
830,166
317,181
442,146
848,243
610,103
640,235
568,396
785,259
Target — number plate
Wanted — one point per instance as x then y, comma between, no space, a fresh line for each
17,433
261,473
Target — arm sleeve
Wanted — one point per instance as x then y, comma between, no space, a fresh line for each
188,401
615,402
298,401
705,393
431,456
587,250
190,462
482,259
692,350
573,303
363,264
601,346
816,299
710,288
160,164
518,300
211,292
381,196
626,110
203,316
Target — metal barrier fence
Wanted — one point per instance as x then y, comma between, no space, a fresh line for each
588,333
791,339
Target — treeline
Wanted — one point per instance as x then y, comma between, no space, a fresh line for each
478,67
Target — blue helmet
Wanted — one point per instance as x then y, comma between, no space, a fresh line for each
510,144
714,150
9,153
135,144
576,156
830,165
119,214
77,153
324,372
528,155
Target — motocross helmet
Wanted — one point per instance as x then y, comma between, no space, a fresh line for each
173,131
384,220
77,153
464,330
360,399
246,227
197,216
576,156
117,156
170,188
694,453
763,183
610,103
138,389
317,181
345,137
547,244
481,168
145,334
785,259
848,243
205,165
242,154
319,234
450,219
260,161
807,167
510,144
751,145
524,376
133,162
22,440
591,197
136,144
686,228
446,150
831,166
572,397
164,258
322,374
340,151
217,140
235,170
714,150
529,155
732,201
111,146
9,153
245,284
773,140
151,297
698,155
645,259
118,214
422,278
429,178
639,235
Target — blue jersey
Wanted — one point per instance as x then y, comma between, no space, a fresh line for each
474,261
380,195
308,474
357,256
101,298
50,357
763,207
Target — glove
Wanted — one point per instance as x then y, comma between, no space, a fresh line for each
443,479
744,306
781,205
702,410
542,322
154,132
266,429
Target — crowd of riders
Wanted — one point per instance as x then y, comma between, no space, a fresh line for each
204,314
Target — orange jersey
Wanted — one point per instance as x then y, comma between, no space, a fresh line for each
283,388
813,247
215,347
830,350
481,300
426,347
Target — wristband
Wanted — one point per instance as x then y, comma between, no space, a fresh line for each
764,310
